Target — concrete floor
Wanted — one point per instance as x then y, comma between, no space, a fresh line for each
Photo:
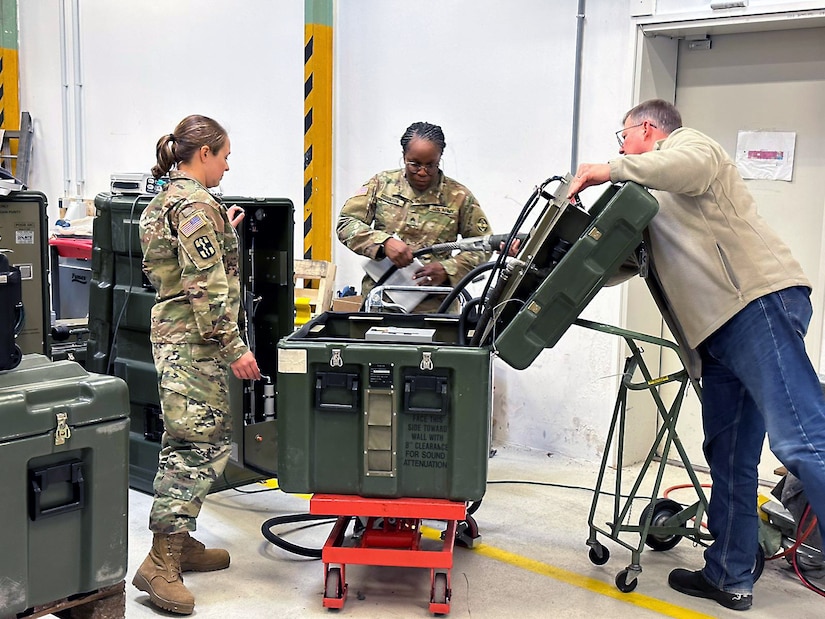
532,560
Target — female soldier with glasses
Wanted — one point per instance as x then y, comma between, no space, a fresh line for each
400,211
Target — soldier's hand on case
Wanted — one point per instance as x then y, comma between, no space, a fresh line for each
246,367
235,214
398,252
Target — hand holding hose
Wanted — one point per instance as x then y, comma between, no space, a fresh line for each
398,252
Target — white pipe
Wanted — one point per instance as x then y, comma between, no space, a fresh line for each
80,159
577,86
64,99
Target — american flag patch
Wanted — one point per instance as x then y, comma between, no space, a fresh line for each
362,191
192,224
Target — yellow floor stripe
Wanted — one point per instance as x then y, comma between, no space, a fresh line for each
571,578
577,580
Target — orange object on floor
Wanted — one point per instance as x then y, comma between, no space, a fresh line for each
391,536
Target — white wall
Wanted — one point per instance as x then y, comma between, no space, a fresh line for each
497,76
144,66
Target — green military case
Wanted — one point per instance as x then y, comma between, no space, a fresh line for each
380,418
63,452
392,415
24,235
121,300
601,240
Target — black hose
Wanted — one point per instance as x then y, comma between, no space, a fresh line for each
462,284
470,306
266,530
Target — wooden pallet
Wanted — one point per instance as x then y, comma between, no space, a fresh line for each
105,603
313,295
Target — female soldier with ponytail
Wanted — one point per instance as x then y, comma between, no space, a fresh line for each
190,255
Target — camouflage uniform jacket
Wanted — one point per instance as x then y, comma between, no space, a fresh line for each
388,205
191,257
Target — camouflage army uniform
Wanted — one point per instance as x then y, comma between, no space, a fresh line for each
190,255
388,205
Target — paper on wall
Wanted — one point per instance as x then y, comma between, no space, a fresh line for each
765,155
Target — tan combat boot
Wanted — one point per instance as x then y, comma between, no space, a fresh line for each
159,575
195,557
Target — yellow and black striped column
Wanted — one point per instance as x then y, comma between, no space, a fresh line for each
318,129
9,70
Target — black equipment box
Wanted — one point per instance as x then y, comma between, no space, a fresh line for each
63,452
11,314
121,299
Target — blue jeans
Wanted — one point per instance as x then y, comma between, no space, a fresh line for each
757,377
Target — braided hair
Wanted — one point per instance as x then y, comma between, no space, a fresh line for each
181,145
423,131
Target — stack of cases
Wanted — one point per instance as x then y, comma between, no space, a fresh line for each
120,304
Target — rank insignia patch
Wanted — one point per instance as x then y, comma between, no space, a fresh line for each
204,247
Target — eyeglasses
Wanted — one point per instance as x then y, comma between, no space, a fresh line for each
414,166
620,138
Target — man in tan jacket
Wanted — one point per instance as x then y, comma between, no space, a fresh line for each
743,304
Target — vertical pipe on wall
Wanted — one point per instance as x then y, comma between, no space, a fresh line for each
318,129
64,100
80,160
577,86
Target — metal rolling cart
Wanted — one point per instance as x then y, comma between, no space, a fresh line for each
391,537
663,522
387,416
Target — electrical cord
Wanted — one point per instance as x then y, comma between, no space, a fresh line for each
113,346
280,542
794,558
791,551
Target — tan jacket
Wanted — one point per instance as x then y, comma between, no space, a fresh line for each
713,251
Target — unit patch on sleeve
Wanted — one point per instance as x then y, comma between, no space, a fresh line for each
482,225
203,245
192,224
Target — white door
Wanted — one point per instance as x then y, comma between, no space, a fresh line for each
772,81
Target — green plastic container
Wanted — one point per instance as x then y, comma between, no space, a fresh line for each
121,300
63,451
601,240
378,418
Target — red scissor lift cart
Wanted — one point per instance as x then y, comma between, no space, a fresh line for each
385,418
392,537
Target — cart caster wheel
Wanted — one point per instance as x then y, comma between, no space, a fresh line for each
599,554
758,564
15,357
439,592
334,587
622,584
663,509
467,533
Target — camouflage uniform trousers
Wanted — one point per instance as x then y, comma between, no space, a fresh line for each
197,433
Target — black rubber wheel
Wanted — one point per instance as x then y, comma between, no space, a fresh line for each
16,357
439,593
662,509
622,584
599,555
334,588
759,563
